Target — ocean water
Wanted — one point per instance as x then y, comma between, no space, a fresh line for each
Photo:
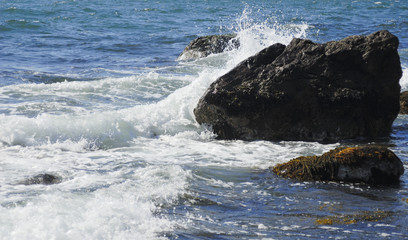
91,92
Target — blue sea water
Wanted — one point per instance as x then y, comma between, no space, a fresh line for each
92,92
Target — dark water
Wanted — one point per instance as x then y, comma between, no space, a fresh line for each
91,91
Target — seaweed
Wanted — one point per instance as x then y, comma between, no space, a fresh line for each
358,164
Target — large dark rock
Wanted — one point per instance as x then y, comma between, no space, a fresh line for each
368,164
206,45
307,91
404,103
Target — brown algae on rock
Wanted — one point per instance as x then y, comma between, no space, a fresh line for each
375,165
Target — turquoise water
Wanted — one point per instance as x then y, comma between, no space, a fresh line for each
91,91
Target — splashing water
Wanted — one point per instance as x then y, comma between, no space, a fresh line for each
107,129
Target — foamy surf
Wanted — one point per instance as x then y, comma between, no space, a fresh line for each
86,110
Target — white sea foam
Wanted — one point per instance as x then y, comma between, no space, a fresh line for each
100,130
404,79
121,210
254,37
99,198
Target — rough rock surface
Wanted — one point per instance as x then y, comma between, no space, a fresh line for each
46,179
404,103
306,91
368,164
206,45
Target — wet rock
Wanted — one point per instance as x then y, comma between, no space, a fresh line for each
45,179
206,45
404,103
375,165
306,91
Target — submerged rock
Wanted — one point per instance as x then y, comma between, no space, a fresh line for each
404,103
364,216
206,45
46,179
307,91
368,164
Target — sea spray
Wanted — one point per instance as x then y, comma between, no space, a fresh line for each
175,113
254,36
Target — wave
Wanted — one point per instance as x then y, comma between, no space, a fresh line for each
112,112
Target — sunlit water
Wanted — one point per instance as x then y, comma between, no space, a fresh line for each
91,91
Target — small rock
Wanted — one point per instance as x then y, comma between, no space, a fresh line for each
206,45
46,179
375,165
